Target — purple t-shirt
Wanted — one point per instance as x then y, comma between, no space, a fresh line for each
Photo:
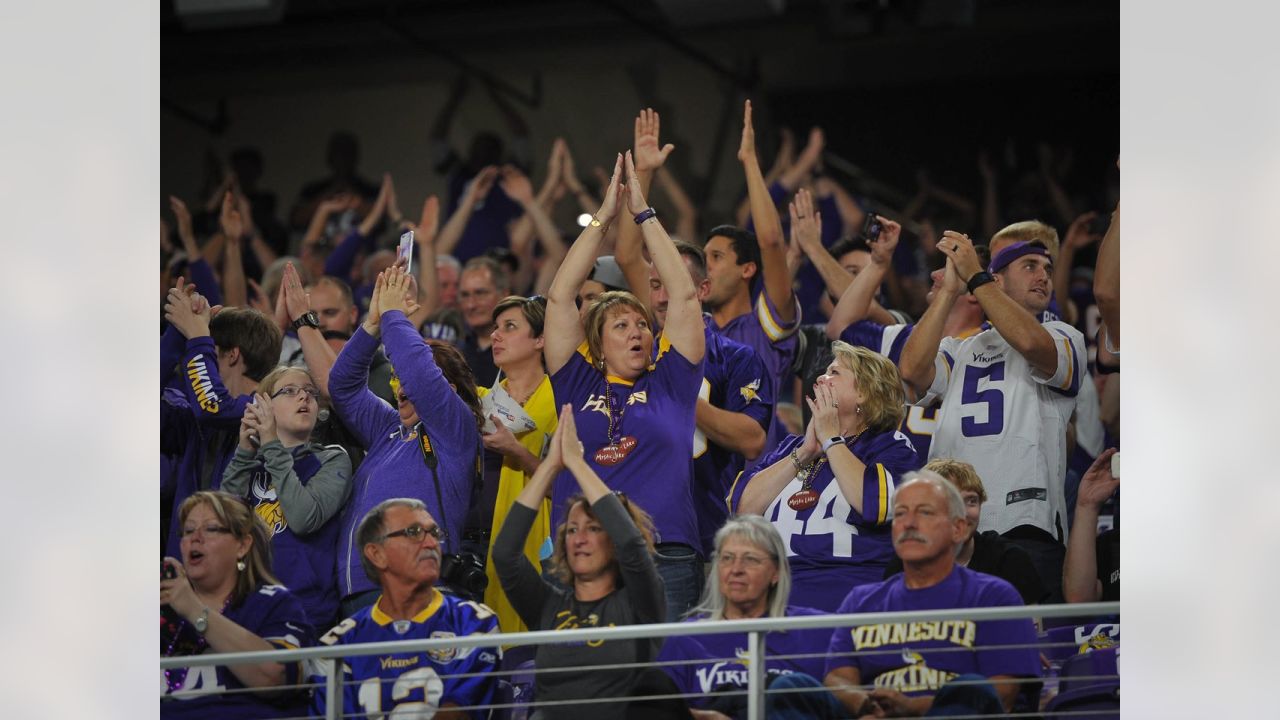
831,546
774,341
657,410
699,664
918,658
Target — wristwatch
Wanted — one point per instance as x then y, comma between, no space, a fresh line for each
832,441
202,623
978,280
308,318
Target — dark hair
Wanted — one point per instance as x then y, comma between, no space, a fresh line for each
456,371
694,253
257,336
745,245
846,245
504,256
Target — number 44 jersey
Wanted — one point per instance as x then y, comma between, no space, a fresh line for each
413,684
1010,422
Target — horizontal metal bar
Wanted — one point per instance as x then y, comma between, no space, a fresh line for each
630,632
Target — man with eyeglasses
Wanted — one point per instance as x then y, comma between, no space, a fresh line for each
484,282
401,549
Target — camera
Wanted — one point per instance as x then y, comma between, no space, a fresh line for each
464,572
871,228
167,571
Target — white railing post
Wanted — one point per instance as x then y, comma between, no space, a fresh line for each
755,675
334,699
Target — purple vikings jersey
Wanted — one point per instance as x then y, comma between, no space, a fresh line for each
774,341
699,664
207,692
737,381
404,683
918,658
657,410
831,546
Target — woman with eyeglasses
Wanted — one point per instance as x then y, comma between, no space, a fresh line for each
750,578
604,556
223,598
427,447
296,486
636,407
522,415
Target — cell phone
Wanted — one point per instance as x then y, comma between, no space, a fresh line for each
871,227
1115,465
406,250
167,571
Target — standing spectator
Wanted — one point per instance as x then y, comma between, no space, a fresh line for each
432,455
1091,572
222,358
637,412
400,551
296,486
911,677
1007,393
604,556
751,299
484,282
342,156
828,492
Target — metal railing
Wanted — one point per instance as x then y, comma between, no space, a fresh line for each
755,630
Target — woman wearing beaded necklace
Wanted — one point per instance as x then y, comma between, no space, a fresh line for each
635,414
829,491
224,598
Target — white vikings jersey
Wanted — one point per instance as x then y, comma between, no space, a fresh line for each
1010,423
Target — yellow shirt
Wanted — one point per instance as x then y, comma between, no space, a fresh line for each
541,407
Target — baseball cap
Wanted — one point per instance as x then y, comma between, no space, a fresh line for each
1015,251
607,273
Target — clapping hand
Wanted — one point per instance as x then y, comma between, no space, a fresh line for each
399,291
959,249
650,154
635,195
826,411
609,207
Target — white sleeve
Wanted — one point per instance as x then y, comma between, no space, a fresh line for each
943,366
1071,354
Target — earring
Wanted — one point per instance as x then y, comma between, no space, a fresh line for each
240,565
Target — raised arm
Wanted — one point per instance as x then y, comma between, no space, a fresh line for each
859,296
794,175
773,249
1080,569
316,351
685,328
1106,281
649,155
1077,238
374,216
686,211
235,290
917,361
563,328
452,231
424,236
517,187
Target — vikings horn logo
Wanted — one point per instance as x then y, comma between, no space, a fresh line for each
910,657
267,503
750,390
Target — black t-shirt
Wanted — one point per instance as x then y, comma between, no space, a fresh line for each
1108,555
994,555
480,361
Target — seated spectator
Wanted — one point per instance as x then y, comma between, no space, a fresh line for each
223,598
749,578
432,456
1091,572
984,552
828,491
222,358
914,677
604,556
296,486
401,551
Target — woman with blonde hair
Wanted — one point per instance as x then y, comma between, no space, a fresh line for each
221,598
829,492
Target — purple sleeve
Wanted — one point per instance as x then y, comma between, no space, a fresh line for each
676,651
840,650
678,377
1006,647
744,478
864,333
208,399
172,346
747,371
338,264
363,412
201,274
424,382
832,223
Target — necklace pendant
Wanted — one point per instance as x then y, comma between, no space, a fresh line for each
802,500
612,454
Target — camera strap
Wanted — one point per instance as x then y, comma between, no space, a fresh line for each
432,462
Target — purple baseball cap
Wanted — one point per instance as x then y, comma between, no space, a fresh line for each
1015,251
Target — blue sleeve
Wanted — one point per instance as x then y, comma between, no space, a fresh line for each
477,688
442,410
175,423
172,345
201,274
339,262
363,412
864,333
208,399
749,387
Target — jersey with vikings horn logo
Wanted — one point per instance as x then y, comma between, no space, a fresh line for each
405,683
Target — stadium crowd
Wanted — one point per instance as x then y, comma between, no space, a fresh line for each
378,426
